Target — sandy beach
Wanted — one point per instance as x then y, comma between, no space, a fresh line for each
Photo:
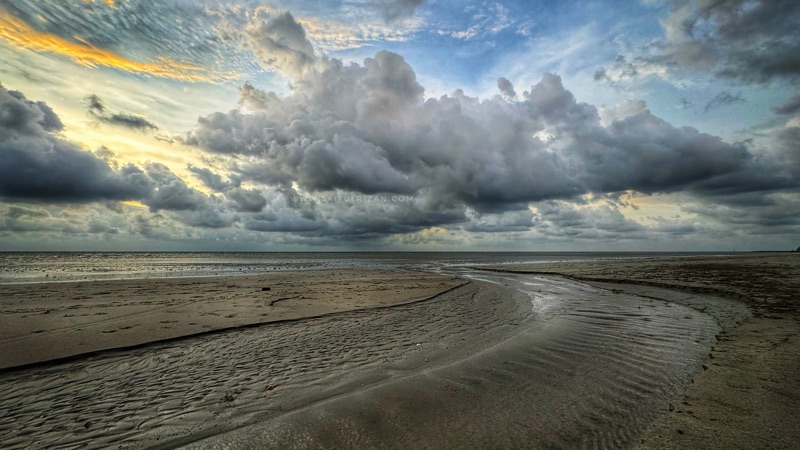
748,396
656,353
48,321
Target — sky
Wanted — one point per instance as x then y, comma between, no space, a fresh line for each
399,125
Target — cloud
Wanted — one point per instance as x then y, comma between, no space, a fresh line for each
366,129
98,110
488,18
247,200
562,219
49,121
722,99
750,41
626,71
509,221
280,43
392,10
790,107
506,88
213,180
749,215
20,34
624,109
38,165
170,192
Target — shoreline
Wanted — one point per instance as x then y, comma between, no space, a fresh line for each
563,356
748,394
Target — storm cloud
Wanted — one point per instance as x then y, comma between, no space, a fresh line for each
790,107
39,165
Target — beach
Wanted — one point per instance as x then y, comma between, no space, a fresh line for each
50,321
749,392
617,353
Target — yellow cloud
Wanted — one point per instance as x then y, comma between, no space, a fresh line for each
110,3
21,35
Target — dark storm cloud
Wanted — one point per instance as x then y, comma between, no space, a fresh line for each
791,107
788,147
722,99
247,200
752,214
212,180
38,165
49,121
752,41
99,111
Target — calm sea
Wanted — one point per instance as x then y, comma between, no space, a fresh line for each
65,266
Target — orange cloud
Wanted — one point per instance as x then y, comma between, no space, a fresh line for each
21,35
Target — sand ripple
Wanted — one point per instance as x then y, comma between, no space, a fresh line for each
518,362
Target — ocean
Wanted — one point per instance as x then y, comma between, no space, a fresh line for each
36,267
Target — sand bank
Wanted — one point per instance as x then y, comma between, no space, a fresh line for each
47,321
749,396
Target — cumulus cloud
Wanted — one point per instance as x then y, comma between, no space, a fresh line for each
98,111
247,200
38,165
626,108
48,119
170,192
213,180
280,43
366,129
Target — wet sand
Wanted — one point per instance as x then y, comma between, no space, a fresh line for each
510,361
47,321
506,360
588,368
749,394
